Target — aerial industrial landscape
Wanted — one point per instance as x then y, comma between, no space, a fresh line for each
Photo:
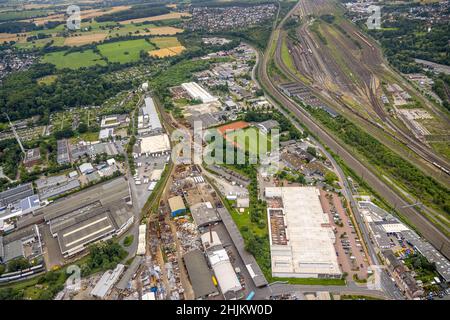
221,150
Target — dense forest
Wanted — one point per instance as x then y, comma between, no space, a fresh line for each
21,95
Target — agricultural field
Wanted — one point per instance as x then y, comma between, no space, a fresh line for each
84,39
161,31
167,16
73,60
167,52
24,14
47,79
124,51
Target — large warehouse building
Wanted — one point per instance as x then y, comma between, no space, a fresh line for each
154,144
197,92
219,260
150,114
301,237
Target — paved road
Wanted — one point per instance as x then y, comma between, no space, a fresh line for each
428,230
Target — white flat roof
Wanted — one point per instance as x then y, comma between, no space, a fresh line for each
149,111
197,92
106,282
310,249
155,144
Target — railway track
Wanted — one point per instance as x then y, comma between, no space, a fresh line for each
425,227
314,62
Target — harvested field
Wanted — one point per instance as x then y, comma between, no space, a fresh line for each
84,39
6,37
166,42
167,52
233,126
167,16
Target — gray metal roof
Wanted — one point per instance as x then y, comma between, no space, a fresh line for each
15,194
13,250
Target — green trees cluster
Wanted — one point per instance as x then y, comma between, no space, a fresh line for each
21,96
286,126
404,39
10,156
18,264
103,256
11,294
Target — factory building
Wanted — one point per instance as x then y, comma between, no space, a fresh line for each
219,260
95,214
150,115
195,91
204,214
199,275
301,237
15,194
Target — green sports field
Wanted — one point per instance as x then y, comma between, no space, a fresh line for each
124,51
73,60
249,139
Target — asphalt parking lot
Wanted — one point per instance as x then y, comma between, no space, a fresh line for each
349,248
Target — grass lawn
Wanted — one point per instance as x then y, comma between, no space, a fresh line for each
73,60
124,51
128,241
89,136
243,219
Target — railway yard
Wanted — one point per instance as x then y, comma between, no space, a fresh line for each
359,78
